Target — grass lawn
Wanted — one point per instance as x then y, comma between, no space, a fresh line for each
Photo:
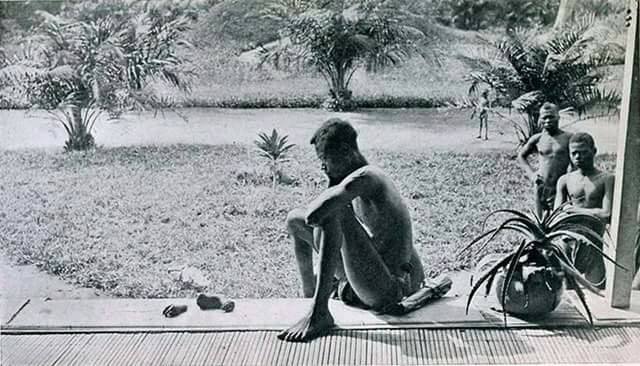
120,219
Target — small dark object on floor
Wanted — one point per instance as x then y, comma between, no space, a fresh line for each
172,310
228,306
209,302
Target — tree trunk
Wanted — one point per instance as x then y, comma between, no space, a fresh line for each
79,138
340,92
565,11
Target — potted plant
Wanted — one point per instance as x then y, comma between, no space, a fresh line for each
530,280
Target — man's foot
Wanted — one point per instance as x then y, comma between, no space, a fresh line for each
486,138
478,137
309,327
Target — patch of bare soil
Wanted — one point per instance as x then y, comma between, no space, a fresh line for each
27,281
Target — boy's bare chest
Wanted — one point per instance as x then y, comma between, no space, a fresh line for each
585,192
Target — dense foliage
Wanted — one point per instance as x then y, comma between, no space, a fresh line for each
96,56
531,68
338,38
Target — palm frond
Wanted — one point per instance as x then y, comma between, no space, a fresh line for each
511,269
489,273
528,101
572,272
522,218
582,239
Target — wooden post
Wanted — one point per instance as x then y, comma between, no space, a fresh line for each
627,184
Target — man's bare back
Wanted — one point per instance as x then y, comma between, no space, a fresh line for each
361,229
382,213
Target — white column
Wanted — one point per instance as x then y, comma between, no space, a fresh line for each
627,184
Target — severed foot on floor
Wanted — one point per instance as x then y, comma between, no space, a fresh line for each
172,310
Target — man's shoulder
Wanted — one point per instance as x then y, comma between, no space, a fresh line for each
605,176
535,138
566,177
368,171
565,135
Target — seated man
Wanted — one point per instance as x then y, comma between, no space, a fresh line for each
588,190
361,228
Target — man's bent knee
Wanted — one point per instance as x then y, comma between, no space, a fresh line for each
296,220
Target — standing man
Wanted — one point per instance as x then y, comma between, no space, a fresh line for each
589,190
361,228
482,108
552,146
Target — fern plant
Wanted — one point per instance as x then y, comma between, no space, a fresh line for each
542,246
274,148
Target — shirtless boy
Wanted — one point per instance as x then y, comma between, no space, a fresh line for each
552,145
589,190
361,228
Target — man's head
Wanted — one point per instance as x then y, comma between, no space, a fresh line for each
549,116
337,148
582,150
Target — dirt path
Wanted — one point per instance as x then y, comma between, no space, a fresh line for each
391,129
27,281
411,129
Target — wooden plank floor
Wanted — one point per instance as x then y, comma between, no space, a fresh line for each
342,347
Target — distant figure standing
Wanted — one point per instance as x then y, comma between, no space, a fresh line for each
552,146
589,190
482,108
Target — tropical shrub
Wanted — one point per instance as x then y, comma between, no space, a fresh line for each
531,68
104,62
476,15
273,148
339,37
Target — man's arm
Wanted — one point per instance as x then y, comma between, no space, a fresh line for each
360,182
529,148
561,192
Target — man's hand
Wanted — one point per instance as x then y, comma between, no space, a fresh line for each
537,179
312,325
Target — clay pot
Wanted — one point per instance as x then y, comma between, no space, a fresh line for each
533,291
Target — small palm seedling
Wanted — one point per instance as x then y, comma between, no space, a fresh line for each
273,148
531,278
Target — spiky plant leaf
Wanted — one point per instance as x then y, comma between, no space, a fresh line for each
542,236
490,272
583,300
